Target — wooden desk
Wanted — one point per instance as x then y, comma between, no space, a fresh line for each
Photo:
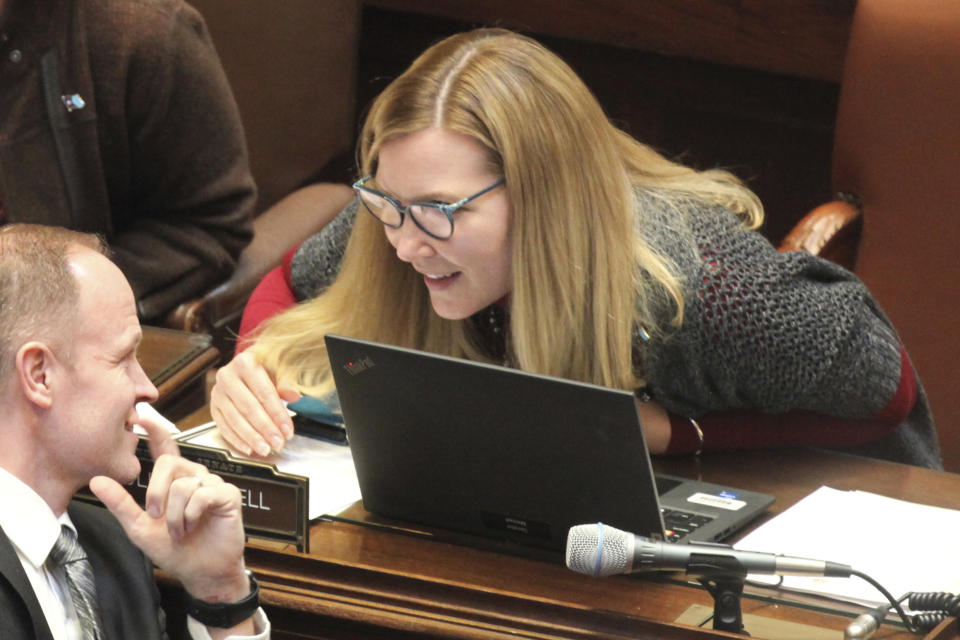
361,581
176,362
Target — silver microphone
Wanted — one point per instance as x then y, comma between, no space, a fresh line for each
600,550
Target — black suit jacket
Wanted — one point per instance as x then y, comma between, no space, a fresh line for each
126,591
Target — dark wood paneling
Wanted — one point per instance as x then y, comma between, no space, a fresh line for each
804,38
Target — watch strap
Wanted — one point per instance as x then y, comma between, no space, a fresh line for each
224,615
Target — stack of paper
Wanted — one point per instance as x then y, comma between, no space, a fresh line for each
903,545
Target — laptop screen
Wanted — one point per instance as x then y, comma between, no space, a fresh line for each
491,451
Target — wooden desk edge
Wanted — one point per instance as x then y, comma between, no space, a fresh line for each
196,367
397,601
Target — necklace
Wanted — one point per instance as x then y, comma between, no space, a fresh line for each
490,324
495,317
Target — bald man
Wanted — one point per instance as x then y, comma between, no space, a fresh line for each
69,381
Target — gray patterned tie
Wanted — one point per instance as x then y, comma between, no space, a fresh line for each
68,553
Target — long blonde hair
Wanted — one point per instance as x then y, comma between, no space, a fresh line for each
584,279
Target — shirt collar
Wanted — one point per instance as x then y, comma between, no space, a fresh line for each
27,519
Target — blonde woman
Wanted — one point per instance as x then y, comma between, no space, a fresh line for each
501,217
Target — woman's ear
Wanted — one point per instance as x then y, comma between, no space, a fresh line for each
35,370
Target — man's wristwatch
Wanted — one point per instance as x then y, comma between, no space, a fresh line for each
224,615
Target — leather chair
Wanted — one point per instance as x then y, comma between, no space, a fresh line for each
292,66
897,157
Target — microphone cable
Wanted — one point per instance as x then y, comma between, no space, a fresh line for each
936,605
929,608
932,608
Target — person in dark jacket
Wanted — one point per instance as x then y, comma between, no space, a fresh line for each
116,118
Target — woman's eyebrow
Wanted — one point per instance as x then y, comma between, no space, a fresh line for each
429,196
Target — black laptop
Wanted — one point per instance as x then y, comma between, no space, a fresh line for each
512,456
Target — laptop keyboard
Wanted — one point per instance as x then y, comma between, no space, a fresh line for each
679,523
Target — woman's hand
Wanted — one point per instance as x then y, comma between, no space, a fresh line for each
246,405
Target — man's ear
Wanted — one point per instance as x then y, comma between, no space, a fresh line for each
36,369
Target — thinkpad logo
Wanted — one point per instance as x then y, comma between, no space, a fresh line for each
353,367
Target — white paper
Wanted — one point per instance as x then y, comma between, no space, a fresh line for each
903,545
329,466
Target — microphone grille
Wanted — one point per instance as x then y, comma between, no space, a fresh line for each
598,550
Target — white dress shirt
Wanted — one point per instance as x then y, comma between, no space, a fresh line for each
33,529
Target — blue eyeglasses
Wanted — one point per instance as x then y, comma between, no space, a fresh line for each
433,218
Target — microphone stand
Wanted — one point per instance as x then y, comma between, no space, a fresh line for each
726,591
723,578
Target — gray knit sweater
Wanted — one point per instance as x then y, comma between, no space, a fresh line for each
762,330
